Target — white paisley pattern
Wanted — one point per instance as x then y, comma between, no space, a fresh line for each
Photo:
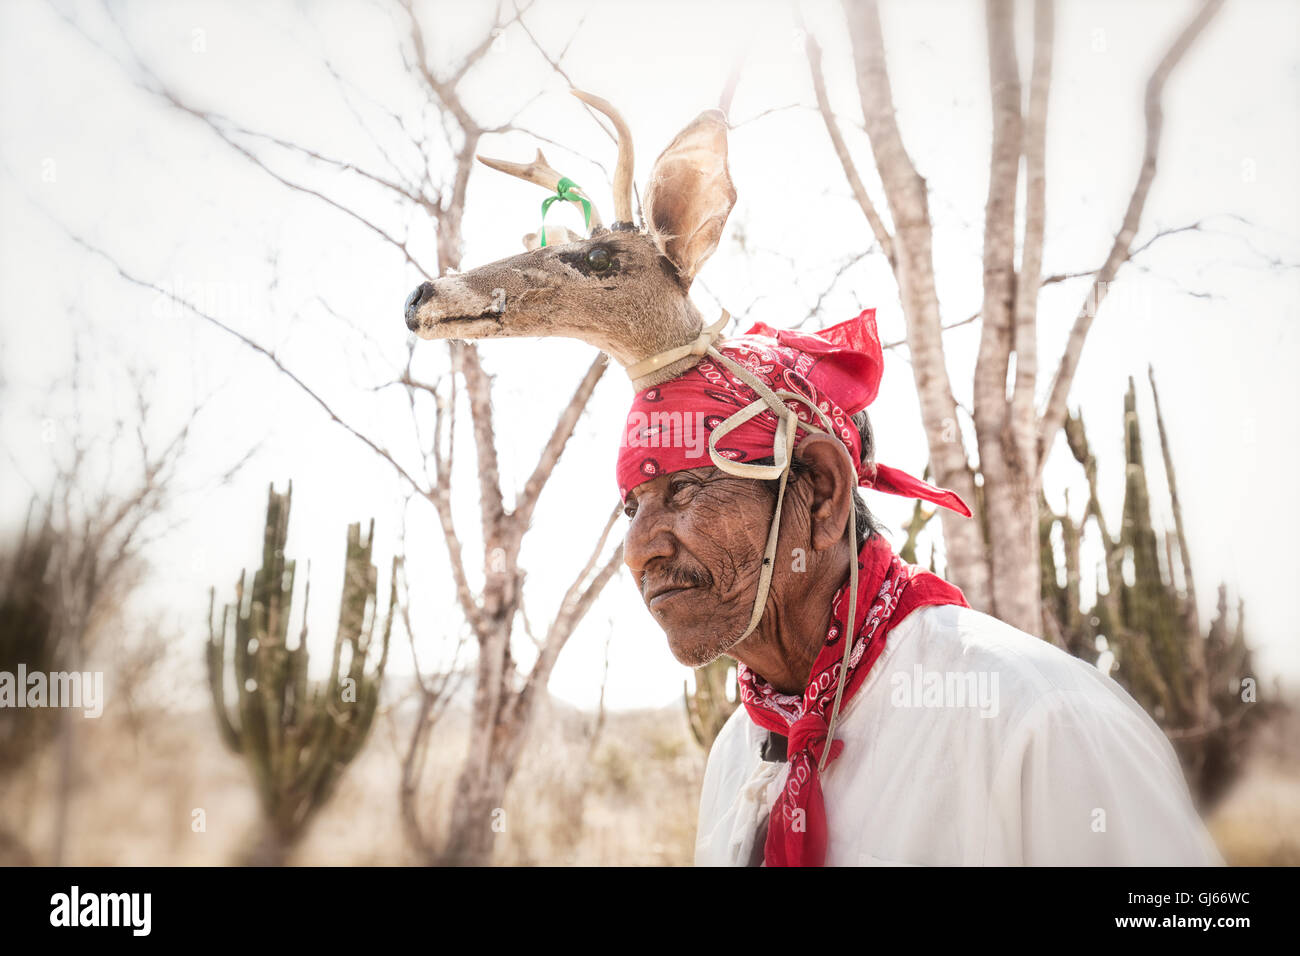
790,707
818,697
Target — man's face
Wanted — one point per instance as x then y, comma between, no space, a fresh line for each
695,548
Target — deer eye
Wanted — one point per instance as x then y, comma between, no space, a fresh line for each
598,258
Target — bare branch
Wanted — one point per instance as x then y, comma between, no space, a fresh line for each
226,131
878,229
908,199
765,113
554,64
445,90
1025,340
578,598
1058,277
439,496
848,264
974,317
409,136
479,389
560,435
1054,413
219,124
249,343
528,625
991,366
593,738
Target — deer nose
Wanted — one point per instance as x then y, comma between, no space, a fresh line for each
421,295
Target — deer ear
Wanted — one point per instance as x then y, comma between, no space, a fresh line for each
690,193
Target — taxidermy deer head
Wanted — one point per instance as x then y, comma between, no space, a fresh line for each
623,289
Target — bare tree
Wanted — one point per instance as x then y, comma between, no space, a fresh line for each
505,700
435,689
994,559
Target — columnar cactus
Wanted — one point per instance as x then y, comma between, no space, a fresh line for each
1193,684
296,737
29,632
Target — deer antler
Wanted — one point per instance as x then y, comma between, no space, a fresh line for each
623,171
539,171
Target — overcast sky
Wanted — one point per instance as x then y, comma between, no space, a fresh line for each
83,146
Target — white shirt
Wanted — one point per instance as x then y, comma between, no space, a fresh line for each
972,743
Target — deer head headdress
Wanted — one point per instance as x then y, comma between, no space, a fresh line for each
624,289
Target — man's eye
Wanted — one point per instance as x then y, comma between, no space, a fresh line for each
598,259
680,489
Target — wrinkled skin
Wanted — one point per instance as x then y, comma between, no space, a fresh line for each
695,548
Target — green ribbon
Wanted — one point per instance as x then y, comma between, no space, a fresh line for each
566,189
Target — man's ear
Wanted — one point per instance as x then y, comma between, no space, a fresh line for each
832,482
690,194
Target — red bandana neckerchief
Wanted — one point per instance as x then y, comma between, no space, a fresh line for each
888,590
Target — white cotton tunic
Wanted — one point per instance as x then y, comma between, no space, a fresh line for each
972,743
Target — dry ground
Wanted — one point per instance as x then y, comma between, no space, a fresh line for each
136,795
1258,822
632,802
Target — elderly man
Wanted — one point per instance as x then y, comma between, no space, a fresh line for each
926,733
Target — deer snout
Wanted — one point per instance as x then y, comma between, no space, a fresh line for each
421,295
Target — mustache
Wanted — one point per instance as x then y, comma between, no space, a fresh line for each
683,577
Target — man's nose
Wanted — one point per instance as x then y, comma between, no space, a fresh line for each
648,537
422,294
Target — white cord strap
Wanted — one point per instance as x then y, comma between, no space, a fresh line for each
703,342
782,445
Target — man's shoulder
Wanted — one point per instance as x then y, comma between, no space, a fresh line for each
1027,740
950,649
960,640
1020,687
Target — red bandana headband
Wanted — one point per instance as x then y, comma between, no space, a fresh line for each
837,370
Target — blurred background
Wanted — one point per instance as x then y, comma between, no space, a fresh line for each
353,596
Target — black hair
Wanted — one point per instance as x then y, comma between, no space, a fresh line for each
867,525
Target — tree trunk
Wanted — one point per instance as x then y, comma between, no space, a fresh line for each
478,815
994,559
1012,508
268,847
906,193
